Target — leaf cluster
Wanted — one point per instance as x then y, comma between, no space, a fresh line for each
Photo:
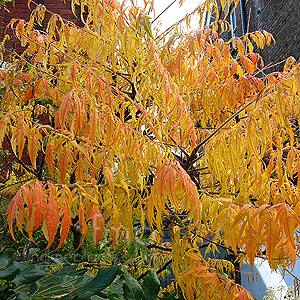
43,280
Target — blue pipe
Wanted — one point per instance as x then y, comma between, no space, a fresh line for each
244,26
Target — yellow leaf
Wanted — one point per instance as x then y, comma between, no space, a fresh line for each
109,177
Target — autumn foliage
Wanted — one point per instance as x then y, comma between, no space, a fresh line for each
102,110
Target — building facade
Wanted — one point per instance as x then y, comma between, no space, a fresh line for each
279,17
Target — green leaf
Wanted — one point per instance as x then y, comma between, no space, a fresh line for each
146,24
21,296
11,271
59,276
115,290
30,274
132,289
132,249
6,258
58,288
53,292
62,283
151,286
103,279
144,21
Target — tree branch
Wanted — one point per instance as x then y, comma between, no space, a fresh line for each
19,160
163,248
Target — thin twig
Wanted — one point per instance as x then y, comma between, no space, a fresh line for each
163,11
249,20
157,272
6,165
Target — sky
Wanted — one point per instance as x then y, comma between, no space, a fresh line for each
174,13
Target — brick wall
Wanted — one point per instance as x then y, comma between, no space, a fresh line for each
19,10
279,17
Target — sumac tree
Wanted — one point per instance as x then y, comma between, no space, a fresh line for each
124,126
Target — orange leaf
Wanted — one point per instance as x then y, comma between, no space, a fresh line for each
30,226
28,95
73,75
65,225
4,122
289,220
20,137
109,177
20,220
64,109
52,216
82,223
33,146
28,199
63,164
93,125
39,88
271,235
198,269
97,223
80,170
20,32
12,211
89,83
80,113
244,295
39,200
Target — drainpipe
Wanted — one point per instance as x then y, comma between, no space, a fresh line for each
39,27
244,26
